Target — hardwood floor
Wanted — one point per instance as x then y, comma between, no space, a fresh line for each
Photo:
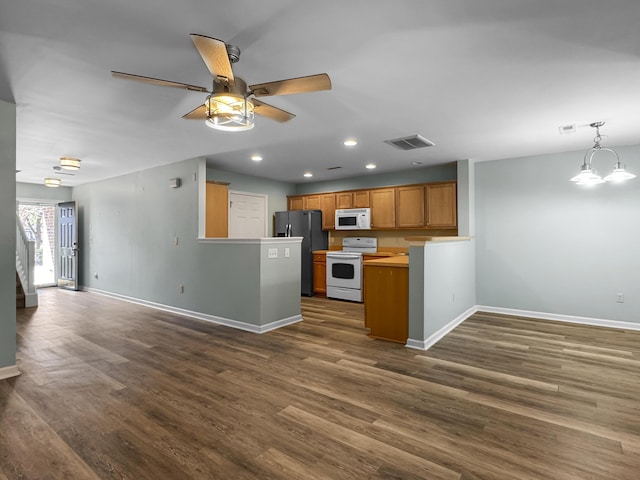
118,391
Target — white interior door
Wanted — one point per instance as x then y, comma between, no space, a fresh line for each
247,215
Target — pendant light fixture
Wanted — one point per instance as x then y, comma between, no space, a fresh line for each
70,163
589,176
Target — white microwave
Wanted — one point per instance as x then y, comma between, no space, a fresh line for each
353,219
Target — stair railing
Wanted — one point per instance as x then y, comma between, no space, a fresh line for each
25,264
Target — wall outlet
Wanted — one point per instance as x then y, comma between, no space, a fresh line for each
287,252
620,297
272,253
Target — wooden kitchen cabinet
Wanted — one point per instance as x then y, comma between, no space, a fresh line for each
311,202
296,203
441,205
355,199
328,207
410,207
386,301
383,208
320,274
217,210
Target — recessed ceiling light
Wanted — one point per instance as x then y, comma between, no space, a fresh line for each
256,158
308,174
370,166
416,163
350,142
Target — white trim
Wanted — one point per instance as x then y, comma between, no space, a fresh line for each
597,322
248,327
31,299
437,336
9,372
251,241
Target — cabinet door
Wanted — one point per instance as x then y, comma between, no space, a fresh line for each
311,202
361,199
296,203
344,200
328,207
383,208
410,206
441,205
319,274
217,210
386,302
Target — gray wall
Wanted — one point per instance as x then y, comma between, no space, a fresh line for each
547,245
372,180
7,234
128,231
276,191
40,193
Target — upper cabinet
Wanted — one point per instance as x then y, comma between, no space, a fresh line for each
328,207
441,205
383,208
355,199
410,206
217,210
296,203
425,206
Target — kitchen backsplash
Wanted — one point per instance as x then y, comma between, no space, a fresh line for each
388,240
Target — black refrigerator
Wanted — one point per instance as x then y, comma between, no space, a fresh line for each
308,225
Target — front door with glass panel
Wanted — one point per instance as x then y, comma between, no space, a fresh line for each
68,245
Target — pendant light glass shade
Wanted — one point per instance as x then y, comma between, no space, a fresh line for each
70,163
52,182
619,174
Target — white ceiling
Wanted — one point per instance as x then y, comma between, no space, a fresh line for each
483,79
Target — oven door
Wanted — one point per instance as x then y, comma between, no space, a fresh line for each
344,270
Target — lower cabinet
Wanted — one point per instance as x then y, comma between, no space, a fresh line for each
320,274
386,302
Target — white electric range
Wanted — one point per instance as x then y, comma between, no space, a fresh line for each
344,268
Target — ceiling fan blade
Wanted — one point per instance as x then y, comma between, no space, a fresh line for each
198,113
158,81
215,56
271,112
312,83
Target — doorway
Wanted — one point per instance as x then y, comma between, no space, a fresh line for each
39,221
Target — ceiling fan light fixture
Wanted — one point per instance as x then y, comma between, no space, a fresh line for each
229,112
70,163
52,182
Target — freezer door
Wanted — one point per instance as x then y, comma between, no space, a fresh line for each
281,224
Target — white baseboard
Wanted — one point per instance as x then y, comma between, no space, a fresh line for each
430,341
8,372
598,322
556,317
248,327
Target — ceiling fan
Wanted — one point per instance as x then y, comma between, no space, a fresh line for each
231,104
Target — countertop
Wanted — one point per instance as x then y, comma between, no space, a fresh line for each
394,261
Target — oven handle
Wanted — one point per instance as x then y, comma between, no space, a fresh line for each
343,257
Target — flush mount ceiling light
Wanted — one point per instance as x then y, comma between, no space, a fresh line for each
370,166
308,174
350,142
589,176
256,158
52,182
70,163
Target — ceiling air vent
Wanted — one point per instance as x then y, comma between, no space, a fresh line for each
410,143
334,168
